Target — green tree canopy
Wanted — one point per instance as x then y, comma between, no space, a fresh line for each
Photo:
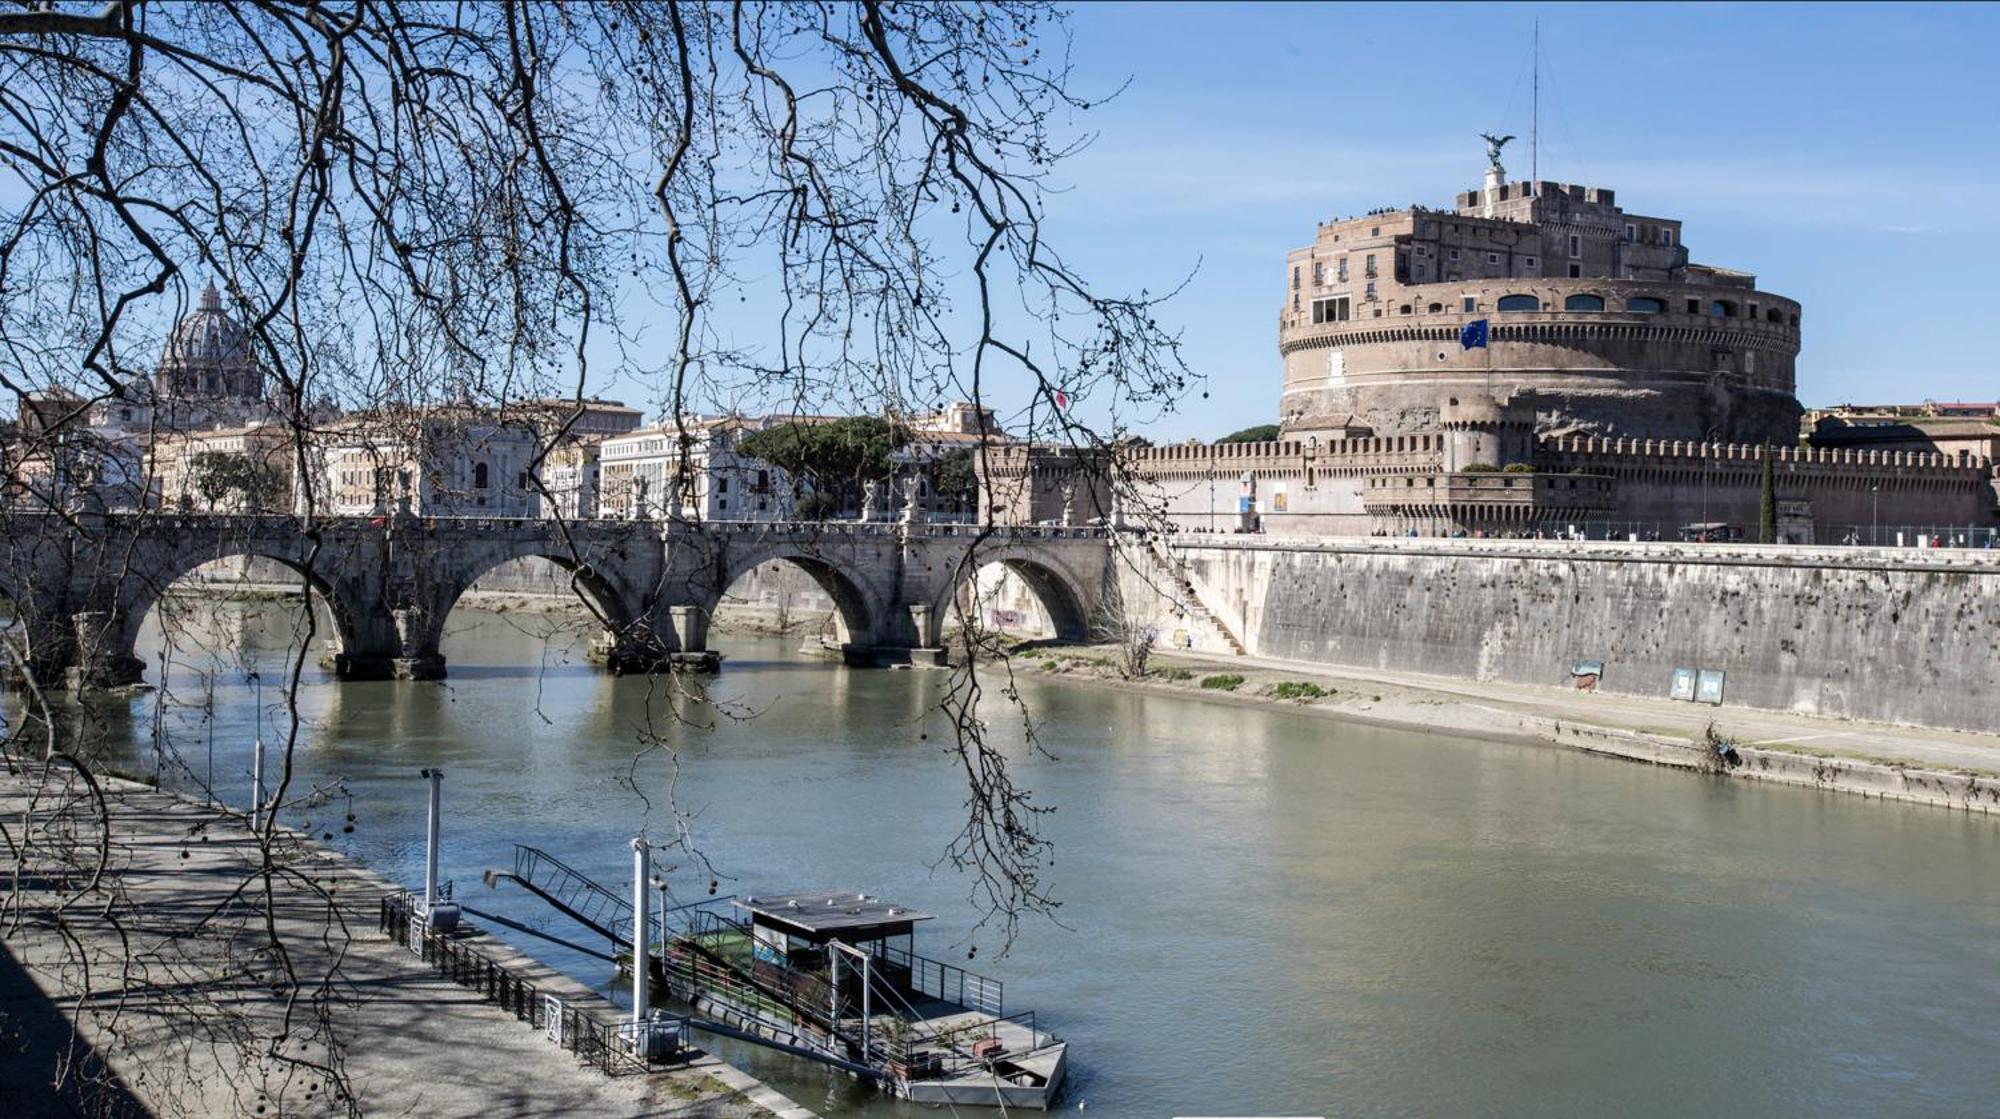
1262,433
217,474
836,456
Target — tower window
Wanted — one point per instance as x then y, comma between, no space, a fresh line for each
1575,245
1519,303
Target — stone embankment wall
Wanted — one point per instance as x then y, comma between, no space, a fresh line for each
1898,636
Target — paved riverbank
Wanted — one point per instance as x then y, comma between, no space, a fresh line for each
1949,769
165,972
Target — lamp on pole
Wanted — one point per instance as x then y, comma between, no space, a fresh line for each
1875,524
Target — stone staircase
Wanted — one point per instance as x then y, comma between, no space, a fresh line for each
1168,572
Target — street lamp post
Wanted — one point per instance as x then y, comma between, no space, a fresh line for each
1875,523
435,776
642,853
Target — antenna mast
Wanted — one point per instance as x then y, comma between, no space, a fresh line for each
1535,128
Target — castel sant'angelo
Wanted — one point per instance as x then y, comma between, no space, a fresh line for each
1535,359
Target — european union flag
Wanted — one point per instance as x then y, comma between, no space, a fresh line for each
1473,336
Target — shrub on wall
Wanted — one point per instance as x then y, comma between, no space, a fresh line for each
1479,468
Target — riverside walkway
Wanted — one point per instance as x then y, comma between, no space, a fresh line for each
159,993
1924,765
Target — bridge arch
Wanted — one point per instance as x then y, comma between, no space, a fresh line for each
360,625
1065,596
621,605
858,605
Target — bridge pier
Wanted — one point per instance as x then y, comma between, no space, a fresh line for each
98,663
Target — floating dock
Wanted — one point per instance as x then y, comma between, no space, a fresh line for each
831,976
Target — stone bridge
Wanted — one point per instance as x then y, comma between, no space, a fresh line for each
82,585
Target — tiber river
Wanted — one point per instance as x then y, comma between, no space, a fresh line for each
1264,913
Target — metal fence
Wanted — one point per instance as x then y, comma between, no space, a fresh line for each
945,981
596,1043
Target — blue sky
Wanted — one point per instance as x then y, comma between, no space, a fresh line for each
1846,154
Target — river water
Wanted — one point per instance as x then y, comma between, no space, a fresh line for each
1264,912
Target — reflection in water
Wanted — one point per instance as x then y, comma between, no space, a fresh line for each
1265,912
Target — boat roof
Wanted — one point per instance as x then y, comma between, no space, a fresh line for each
819,913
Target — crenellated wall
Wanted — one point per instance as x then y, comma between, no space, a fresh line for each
1310,487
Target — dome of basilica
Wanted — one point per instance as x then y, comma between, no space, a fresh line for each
208,356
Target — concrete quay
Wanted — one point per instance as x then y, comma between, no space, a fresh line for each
1949,769
160,995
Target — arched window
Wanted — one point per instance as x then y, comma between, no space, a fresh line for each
479,476
1435,308
1519,303
1722,309
1584,303
1644,305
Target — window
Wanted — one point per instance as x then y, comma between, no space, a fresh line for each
1371,294
1452,255
1694,306
1404,310
1368,266
1421,273
1435,308
763,482
1584,303
479,479
1331,310
1531,262
1340,268
1631,232
1375,232
1644,305
1666,236
1295,277
1575,245
1519,303
1575,271
722,484
1722,309
1492,258
1471,304
1319,273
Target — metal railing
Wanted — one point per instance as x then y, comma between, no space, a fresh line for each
596,1043
573,889
944,981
